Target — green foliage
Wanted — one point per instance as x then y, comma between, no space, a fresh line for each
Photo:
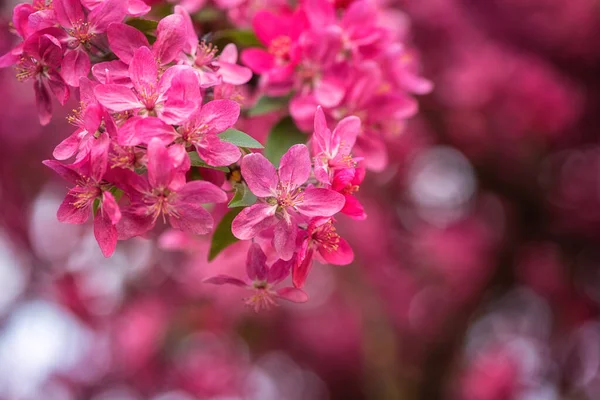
284,135
223,237
198,162
240,139
243,197
268,104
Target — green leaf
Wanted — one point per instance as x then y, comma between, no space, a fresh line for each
240,139
243,197
268,104
242,38
146,26
95,206
223,237
198,162
284,135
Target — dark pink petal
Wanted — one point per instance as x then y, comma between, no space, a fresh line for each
201,192
68,12
170,38
346,132
20,19
191,39
253,220
302,268
284,239
260,175
117,97
295,166
116,72
68,147
320,202
143,71
126,133
105,233
124,40
110,207
225,280
43,102
160,165
39,20
66,173
219,115
99,156
133,224
353,208
293,294
192,218
342,255
183,96
75,65
217,153
92,117
279,271
57,85
256,263
258,60
11,58
110,11
50,51
234,74
69,213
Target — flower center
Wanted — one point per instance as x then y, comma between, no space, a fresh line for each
81,32
28,67
325,236
206,55
280,47
262,299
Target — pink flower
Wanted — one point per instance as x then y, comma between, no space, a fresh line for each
40,60
282,198
347,182
262,279
165,194
79,201
331,150
172,98
280,34
320,237
83,30
211,69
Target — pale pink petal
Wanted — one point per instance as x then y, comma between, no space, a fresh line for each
225,280
320,13
143,71
346,132
137,8
234,74
192,218
284,239
295,166
105,233
260,175
293,294
110,11
117,97
75,65
329,91
219,115
146,129
302,110
320,202
171,37
256,263
112,72
217,153
124,40
229,54
160,165
176,112
253,220
191,39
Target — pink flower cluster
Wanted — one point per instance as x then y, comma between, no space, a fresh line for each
154,103
353,62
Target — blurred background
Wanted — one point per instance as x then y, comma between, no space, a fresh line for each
477,273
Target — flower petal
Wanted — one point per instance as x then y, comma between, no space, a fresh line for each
293,294
258,60
75,65
253,220
225,280
320,202
124,40
192,218
117,97
170,38
260,175
160,165
143,71
256,263
342,255
284,239
201,192
217,153
295,167
219,115
105,233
